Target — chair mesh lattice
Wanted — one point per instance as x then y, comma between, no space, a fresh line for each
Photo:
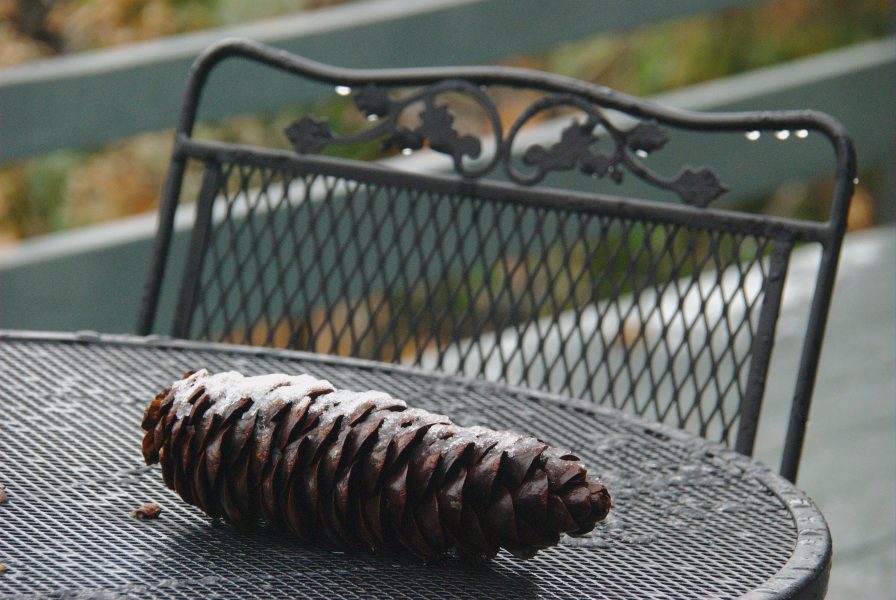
664,310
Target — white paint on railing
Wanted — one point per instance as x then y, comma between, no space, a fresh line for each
654,325
190,45
741,89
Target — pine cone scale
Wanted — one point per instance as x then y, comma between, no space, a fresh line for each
250,495
370,522
501,517
362,469
532,496
207,426
411,537
396,492
294,518
424,465
212,456
430,523
204,493
450,498
476,543
558,515
481,478
343,496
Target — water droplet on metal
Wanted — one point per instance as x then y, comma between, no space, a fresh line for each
811,533
641,153
783,134
407,151
798,503
343,90
592,540
802,133
638,540
753,135
732,507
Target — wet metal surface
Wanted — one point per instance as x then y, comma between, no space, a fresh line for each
690,519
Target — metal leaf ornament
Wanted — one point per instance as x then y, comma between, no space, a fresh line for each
309,135
373,101
574,146
646,137
698,187
362,469
438,127
405,139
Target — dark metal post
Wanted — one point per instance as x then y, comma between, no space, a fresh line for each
761,352
190,283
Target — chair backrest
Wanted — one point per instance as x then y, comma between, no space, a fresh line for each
517,265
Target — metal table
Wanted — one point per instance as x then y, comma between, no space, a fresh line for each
690,518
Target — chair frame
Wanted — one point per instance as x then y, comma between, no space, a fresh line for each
783,231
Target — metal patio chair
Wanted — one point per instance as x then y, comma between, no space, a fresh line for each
539,259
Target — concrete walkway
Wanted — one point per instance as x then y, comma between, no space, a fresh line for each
849,460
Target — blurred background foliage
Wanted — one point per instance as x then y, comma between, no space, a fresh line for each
72,188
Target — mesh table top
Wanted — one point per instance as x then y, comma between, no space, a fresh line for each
690,518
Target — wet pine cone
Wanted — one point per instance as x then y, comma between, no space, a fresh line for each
361,469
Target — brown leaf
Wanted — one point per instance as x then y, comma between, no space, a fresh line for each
147,511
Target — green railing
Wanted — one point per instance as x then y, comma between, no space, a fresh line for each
92,277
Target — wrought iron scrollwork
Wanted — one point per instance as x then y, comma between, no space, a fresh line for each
436,128
576,148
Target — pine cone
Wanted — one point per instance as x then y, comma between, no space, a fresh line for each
362,470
